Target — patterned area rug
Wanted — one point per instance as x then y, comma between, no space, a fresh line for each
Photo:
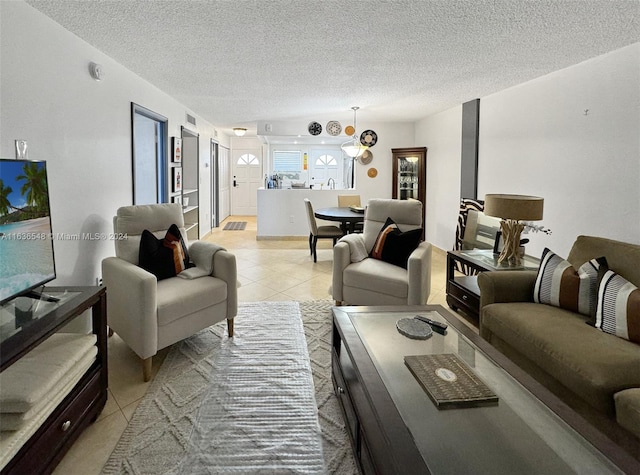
317,320
189,422
235,226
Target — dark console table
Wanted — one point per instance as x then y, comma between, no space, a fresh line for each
82,405
395,428
463,292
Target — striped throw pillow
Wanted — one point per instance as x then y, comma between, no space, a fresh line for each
559,284
618,310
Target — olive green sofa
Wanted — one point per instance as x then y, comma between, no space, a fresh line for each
591,370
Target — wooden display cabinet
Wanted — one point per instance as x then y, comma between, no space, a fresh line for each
410,175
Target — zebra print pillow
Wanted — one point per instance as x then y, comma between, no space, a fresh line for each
618,310
560,285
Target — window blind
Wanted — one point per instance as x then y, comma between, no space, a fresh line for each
287,161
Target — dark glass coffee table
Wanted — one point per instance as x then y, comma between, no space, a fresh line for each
395,427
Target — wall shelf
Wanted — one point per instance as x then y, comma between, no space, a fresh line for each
190,188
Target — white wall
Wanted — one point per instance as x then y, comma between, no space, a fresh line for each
80,126
536,139
441,134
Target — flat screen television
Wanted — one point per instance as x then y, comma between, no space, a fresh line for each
26,237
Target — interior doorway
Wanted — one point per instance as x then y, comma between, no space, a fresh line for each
215,185
149,156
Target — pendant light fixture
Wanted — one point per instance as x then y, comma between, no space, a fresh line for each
353,148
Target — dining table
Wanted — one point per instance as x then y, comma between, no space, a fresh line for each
345,215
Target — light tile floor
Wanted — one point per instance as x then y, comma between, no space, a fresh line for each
267,270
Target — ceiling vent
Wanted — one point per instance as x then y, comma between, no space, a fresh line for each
191,120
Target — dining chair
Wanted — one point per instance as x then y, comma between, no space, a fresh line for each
344,201
319,232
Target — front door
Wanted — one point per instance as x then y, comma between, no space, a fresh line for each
246,179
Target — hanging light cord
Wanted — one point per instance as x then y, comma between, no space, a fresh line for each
355,129
354,138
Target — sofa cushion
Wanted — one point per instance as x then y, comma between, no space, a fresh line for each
628,409
592,364
377,276
559,284
618,310
394,246
179,297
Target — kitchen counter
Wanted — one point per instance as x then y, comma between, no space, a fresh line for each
282,214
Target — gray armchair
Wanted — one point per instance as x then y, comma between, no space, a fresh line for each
149,314
375,282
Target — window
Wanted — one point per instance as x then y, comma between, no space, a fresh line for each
326,161
287,161
325,164
248,159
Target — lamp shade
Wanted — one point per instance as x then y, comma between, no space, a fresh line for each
517,207
353,149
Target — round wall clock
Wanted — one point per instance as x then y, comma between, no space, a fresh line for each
368,137
372,172
315,128
334,128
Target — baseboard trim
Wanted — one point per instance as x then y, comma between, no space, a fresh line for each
282,238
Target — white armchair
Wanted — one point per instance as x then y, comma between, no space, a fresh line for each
375,282
149,314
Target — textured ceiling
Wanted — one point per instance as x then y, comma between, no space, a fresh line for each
237,62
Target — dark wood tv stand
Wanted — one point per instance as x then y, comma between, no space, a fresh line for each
46,447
